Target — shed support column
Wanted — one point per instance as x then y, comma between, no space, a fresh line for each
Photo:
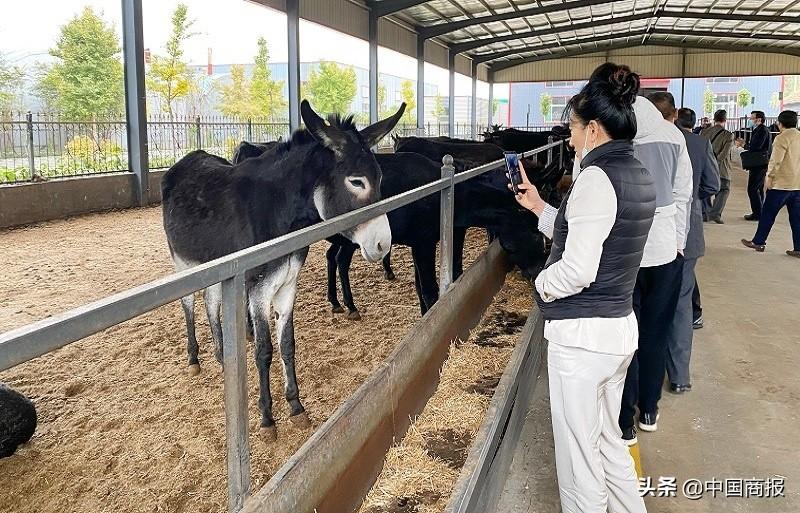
683,75
293,31
420,85
135,97
473,115
491,98
373,68
451,104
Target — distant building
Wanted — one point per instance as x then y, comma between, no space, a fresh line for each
525,99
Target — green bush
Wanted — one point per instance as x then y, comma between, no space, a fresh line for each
84,154
13,174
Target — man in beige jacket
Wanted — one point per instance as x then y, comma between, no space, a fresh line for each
783,185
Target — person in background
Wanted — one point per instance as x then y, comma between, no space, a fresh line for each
783,185
661,148
705,183
760,141
721,143
585,293
704,123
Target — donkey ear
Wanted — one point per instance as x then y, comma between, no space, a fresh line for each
330,137
374,133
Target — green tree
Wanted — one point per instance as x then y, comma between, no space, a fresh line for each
169,77
86,80
11,79
743,98
410,98
775,100
545,104
439,110
235,96
330,89
708,101
266,94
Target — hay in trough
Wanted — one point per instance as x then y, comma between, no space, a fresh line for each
419,472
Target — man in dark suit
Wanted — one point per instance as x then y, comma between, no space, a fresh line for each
760,141
706,182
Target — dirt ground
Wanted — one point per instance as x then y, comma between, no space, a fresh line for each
122,427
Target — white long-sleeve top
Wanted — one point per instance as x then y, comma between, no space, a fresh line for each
591,211
661,147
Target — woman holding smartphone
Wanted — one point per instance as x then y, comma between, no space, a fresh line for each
585,293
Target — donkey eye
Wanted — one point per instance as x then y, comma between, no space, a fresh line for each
357,182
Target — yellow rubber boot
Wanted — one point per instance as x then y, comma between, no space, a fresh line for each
637,460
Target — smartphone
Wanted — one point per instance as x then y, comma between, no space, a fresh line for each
512,166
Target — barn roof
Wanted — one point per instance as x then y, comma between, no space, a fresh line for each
502,34
528,40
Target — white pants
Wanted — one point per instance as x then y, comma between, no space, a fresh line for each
595,469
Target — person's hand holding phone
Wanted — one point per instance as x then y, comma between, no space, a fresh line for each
528,196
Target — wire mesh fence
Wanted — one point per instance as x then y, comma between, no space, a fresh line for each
40,146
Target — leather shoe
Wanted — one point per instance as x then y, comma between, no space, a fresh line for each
679,389
750,244
793,253
751,217
718,220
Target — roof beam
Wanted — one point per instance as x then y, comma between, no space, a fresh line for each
444,28
766,18
481,58
633,44
386,7
471,45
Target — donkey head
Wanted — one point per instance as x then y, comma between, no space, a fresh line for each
354,180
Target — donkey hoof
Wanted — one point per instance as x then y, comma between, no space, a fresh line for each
194,369
268,433
337,309
389,276
300,420
354,315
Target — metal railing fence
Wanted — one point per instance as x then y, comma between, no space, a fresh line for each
36,339
36,146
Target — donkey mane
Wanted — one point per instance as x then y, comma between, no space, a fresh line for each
302,136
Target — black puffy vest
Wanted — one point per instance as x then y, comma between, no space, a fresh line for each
611,294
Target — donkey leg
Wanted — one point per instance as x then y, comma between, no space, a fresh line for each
388,273
343,261
191,337
330,256
212,297
284,326
259,306
425,262
422,306
459,234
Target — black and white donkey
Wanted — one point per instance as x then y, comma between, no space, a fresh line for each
213,208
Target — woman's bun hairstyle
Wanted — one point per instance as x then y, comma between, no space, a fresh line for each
622,83
608,98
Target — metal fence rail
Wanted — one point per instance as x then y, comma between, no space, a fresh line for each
36,339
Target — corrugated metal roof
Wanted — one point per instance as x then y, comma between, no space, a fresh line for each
526,34
505,33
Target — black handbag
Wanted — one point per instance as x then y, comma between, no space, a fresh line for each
755,159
